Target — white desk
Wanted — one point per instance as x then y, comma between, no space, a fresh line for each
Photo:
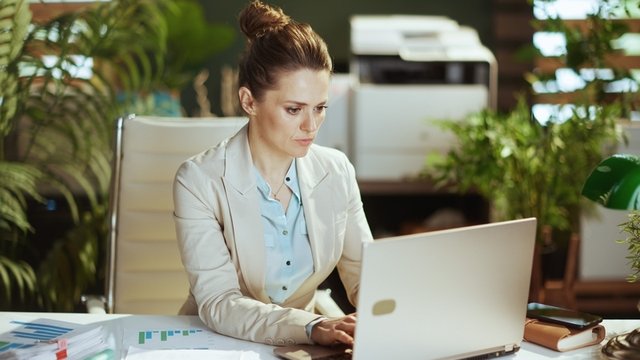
116,326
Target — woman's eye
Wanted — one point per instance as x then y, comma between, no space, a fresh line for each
321,108
293,110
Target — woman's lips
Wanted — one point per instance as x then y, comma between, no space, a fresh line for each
304,142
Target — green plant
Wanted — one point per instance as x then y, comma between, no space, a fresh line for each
529,166
191,42
17,180
615,183
526,168
56,128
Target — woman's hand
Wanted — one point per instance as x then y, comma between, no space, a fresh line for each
333,331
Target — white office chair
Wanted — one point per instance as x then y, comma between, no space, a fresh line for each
144,271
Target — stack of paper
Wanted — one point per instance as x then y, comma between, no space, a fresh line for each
51,339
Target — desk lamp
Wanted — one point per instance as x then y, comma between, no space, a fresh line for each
615,184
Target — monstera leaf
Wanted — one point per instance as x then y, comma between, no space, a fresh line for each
615,182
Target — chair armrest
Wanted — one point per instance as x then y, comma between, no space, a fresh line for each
96,304
325,305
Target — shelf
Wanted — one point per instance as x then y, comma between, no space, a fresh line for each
585,26
620,61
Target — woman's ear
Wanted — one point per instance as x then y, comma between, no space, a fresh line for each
246,100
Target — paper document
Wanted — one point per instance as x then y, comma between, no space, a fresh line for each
160,332
50,339
135,353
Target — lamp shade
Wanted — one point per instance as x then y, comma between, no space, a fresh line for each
615,182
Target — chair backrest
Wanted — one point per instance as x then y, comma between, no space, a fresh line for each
145,274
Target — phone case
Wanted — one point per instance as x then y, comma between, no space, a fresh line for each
557,315
560,337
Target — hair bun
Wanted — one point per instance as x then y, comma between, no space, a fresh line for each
258,19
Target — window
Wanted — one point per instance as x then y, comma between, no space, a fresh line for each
588,53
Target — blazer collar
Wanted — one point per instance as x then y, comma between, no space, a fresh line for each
238,163
310,170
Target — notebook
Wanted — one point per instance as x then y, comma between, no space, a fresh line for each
447,294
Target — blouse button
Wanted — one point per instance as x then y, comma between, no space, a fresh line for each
284,232
288,262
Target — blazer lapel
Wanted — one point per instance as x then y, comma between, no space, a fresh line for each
240,187
317,205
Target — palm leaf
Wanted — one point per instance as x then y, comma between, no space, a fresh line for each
14,21
18,273
17,181
68,109
66,128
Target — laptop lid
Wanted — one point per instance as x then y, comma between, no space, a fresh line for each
446,294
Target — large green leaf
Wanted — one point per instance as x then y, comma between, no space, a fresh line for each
615,182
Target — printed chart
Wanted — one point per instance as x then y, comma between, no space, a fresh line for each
192,338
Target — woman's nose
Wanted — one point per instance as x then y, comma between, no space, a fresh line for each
310,123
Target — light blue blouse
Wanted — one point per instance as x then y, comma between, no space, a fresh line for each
288,253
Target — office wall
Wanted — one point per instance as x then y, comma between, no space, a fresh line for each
330,18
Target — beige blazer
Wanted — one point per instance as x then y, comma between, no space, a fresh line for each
221,241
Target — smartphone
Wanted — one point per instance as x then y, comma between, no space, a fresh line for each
557,315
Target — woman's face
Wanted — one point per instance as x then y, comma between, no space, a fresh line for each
287,119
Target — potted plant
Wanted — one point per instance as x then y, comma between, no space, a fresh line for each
525,167
61,86
615,183
56,121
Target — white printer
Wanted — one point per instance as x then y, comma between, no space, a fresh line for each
408,71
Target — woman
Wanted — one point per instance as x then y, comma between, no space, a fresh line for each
265,216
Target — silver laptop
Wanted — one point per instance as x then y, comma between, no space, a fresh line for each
454,293
447,294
